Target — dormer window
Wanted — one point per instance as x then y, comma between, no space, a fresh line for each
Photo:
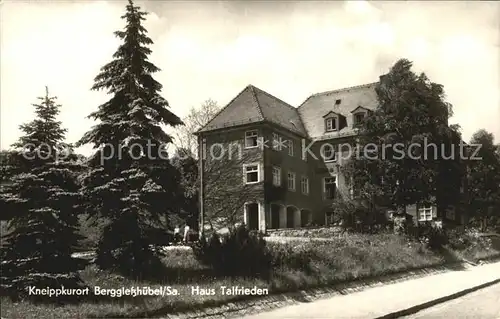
359,118
331,124
358,115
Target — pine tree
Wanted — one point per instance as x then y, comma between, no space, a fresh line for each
130,180
42,200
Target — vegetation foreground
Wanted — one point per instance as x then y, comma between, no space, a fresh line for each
295,265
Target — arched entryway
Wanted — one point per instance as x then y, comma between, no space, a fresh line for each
276,216
305,217
252,216
291,217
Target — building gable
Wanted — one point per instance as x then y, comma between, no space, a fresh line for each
360,109
243,109
253,105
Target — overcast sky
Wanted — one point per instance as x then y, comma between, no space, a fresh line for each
214,49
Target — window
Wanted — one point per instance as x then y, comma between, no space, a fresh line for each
329,154
354,189
390,214
277,142
251,173
329,218
276,176
358,118
304,185
337,102
330,124
330,187
425,213
251,139
450,213
290,147
291,181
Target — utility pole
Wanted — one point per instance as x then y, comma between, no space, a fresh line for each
201,157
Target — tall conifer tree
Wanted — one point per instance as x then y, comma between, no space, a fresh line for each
42,199
130,181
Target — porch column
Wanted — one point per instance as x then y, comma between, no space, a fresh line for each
262,217
245,214
267,213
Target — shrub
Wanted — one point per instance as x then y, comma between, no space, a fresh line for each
433,237
459,239
238,253
470,245
358,216
291,256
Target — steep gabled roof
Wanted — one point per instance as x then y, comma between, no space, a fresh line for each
360,108
278,112
331,112
242,109
317,105
253,105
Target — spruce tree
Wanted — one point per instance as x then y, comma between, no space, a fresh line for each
130,181
42,199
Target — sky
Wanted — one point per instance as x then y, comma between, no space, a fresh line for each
213,49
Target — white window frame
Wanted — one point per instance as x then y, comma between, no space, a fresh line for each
334,159
324,184
293,180
250,135
290,147
390,214
331,124
424,213
276,176
277,142
245,173
304,185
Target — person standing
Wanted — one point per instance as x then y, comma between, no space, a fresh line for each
177,234
186,233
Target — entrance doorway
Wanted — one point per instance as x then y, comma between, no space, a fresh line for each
253,216
275,216
290,217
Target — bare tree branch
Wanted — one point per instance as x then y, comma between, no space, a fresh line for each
196,119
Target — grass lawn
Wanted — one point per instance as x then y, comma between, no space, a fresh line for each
298,265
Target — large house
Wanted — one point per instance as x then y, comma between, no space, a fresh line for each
295,179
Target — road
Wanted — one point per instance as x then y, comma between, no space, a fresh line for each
383,300
482,304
